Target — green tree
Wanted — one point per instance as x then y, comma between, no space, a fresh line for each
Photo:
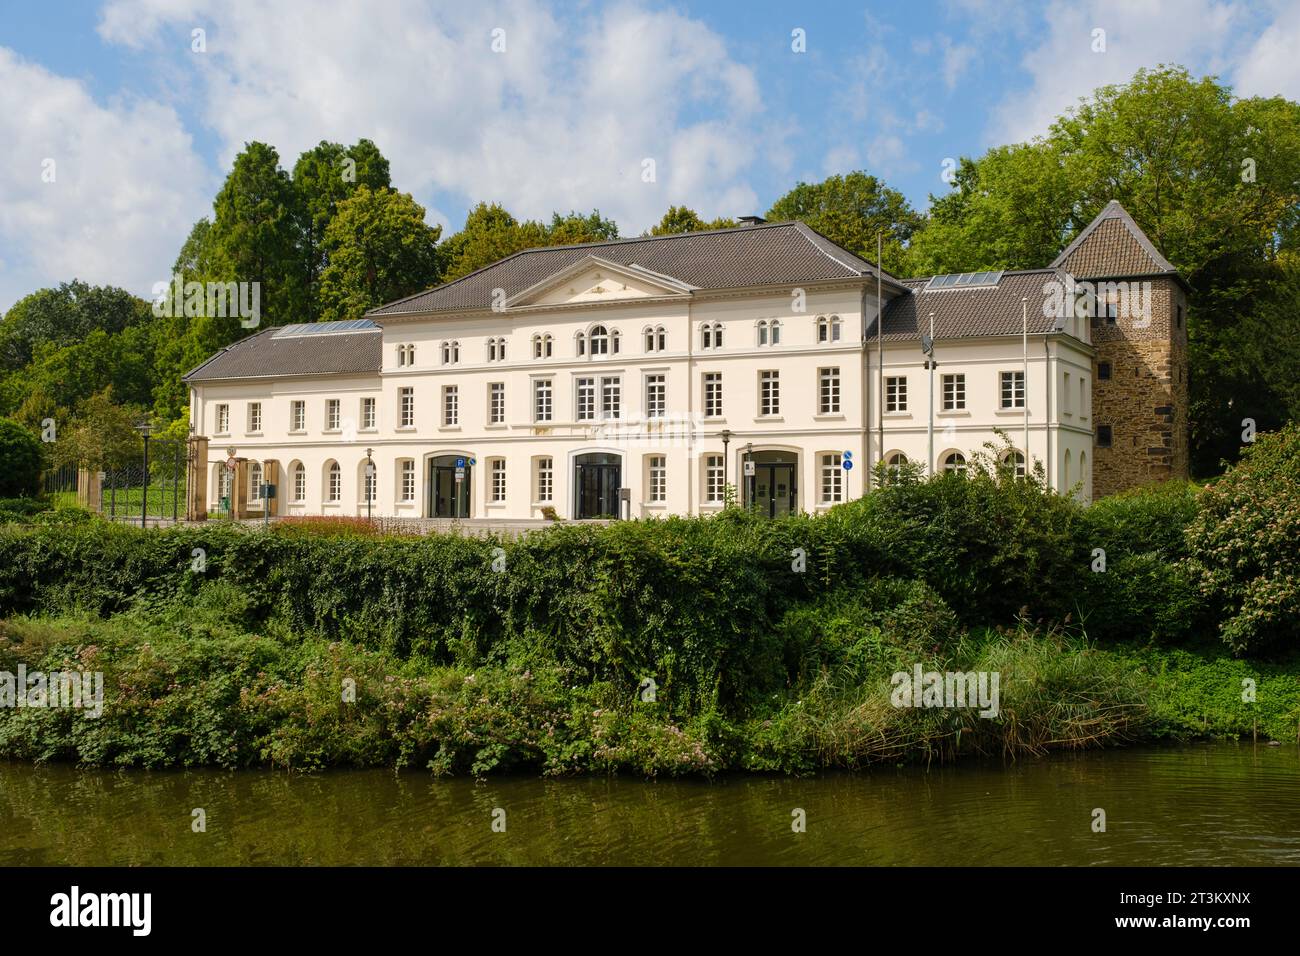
102,434
63,315
1212,179
490,233
379,249
21,461
575,228
851,210
679,219
255,231
323,177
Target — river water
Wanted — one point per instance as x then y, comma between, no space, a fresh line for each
1209,804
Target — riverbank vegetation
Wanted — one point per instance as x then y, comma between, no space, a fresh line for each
674,646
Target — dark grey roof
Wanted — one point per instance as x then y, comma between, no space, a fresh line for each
266,354
1112,245
781,253
963,312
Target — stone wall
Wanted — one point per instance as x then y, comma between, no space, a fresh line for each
1145,401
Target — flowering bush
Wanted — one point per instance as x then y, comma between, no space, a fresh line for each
1245,545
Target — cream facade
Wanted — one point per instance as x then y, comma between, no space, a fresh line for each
656,376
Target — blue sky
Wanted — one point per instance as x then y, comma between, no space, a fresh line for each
118,132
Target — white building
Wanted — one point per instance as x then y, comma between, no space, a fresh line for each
665,368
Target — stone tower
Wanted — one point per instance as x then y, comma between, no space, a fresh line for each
1140,390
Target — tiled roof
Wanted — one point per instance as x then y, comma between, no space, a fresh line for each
1111,246
963,312
781,253
265,354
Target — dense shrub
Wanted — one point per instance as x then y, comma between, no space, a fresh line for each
21,461
1245,545
22,509
1149,520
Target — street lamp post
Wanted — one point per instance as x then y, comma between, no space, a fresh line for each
927,346
726,440
370,482
145,429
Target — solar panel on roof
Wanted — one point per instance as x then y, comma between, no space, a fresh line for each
298,329
963,280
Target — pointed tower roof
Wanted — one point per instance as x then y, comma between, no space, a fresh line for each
1112,246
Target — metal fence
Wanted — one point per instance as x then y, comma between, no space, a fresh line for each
61,485
151,487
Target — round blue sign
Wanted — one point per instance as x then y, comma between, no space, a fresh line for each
848,454
848,464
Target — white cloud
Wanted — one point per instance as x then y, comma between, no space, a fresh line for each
1271,66
562,119
1204,35
126,187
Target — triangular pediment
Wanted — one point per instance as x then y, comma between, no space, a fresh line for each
593,279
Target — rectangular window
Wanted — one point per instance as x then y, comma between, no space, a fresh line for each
832,479
451,405
406,406
713,484
367,413
611,398
1083,397
954,392
586,393
408,479
656,396
496,403
223,419
331,414
828,391
1066,397
712,394
1103,371
1104,437
1013,389
498,479
542,400
254,416
769,393
298,415
895,394
658,478
545,479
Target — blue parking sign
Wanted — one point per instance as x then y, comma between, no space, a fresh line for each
460,462
848,464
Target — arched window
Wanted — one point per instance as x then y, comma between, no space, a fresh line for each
614,338
762,331
537,346
776,331
955,461
1019,462
711,335
450,353
828,328
654,339
333,482
580,344
255,481
895,463
1065,484
599,341
492,350
1085,476
299,483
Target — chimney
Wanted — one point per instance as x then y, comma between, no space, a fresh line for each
750,220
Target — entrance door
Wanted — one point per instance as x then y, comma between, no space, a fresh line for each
773,489
596,480
449,497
